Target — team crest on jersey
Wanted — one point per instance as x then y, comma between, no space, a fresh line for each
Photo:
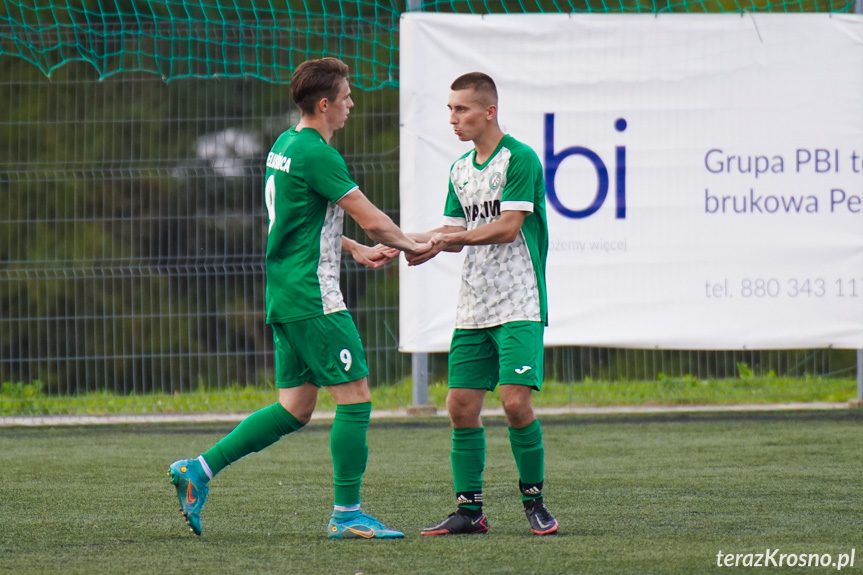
495,180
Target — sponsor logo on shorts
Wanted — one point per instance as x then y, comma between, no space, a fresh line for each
522,369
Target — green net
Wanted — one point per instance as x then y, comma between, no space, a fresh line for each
634,6
266,39
210,38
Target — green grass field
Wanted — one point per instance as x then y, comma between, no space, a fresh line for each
634,494
28,399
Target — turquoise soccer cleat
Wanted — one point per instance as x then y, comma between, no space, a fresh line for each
189,478
361,527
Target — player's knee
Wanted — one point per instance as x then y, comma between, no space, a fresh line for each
302,411
518,410
514,404
301,415
464,421
462,415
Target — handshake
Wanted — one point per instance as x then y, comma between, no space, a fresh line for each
420,249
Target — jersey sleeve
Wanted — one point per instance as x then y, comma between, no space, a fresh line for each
519,193
453,212
327,173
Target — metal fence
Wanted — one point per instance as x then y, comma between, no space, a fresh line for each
132,229
132,236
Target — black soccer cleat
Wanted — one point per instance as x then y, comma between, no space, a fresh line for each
458,524
541,521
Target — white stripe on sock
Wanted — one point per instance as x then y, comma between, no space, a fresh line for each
344,508
205,466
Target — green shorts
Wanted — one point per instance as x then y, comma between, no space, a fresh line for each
507,354
323,350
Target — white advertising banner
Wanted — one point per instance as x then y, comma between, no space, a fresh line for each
704,173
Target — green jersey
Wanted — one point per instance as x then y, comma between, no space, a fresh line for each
500,283
304,180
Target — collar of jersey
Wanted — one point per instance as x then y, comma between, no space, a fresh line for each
312,131
490,158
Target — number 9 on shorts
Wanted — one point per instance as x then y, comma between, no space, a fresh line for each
324,350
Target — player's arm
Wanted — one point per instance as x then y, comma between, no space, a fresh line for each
427,236
379,227
370,256
501,231
435,236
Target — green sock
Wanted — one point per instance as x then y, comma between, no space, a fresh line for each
261,429
529,456
350,451
468,463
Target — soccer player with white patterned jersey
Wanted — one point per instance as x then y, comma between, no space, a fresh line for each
495,209
308,190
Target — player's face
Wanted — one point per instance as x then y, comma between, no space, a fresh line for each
338,110
468,116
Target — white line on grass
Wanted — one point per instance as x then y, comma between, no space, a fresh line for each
55,420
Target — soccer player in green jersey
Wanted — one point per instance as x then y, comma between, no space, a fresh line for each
308,189
496,208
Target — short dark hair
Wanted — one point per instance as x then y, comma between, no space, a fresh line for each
314,80
480,83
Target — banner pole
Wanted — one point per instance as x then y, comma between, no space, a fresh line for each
420,388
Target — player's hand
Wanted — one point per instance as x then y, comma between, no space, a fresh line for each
373,257
419,247
436,244
387,251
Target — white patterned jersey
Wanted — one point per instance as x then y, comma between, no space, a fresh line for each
500,283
